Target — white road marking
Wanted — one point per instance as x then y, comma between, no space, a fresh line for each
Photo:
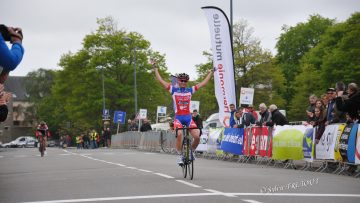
130,167
195,195
250,201
149,153
64,154
121,165
108,153
163,175
147,171
219,193
189,184
126,198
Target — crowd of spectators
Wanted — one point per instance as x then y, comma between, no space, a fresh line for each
88,140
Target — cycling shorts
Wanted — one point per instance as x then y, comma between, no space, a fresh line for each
186,120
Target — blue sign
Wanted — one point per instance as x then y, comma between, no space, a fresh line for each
308,143
352,140
233,140
119,117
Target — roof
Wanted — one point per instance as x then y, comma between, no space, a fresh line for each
16,85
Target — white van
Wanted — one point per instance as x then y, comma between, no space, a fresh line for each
212,122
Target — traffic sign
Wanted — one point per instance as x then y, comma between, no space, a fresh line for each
143,113
119,117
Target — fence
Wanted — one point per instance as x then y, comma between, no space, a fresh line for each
282,146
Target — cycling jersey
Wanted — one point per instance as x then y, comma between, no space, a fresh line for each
181,97
43,131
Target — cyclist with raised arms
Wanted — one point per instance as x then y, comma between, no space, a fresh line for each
181,97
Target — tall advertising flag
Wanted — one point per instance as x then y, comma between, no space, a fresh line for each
222,60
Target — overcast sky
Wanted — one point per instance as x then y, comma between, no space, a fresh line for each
176,28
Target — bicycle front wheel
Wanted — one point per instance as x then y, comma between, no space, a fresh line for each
190,169
184,170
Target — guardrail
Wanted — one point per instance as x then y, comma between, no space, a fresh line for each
256,147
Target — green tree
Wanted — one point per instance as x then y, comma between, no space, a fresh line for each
293,44
335,58
76,95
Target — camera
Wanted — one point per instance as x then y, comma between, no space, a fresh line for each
5,32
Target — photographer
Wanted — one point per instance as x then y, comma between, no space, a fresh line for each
350,104
10,58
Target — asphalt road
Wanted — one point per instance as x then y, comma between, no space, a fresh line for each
119,175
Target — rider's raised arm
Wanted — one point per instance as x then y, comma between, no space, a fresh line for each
159,78
206,80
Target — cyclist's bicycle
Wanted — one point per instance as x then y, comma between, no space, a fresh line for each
187,153
42,142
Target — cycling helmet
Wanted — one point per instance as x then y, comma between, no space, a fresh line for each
183,76
42,123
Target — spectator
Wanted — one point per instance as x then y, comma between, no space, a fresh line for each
277,118
107,137
86,140
145,126
311,108
319,122
78,141
132,125
197,119
244,119
333,115
232,115
350,105
265,115
4,99
10,58
251,110
93,139
324,100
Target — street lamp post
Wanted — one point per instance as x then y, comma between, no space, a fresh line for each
135,83
103,85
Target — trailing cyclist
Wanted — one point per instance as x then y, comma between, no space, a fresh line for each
181,97
42,132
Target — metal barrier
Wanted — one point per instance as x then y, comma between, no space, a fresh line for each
147,141
158,141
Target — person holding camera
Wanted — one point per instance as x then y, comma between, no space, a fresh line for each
351,104
10,58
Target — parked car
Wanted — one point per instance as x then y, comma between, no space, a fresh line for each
23,141
51,143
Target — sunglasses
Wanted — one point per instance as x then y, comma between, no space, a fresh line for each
183,80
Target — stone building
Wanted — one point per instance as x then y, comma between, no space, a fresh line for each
21,119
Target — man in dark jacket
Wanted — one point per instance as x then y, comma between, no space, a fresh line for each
277,118
198,120
350,105
145,126
265,115
245,118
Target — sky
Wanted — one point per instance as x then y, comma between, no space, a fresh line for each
176,28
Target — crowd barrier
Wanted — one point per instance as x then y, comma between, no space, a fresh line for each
337,150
